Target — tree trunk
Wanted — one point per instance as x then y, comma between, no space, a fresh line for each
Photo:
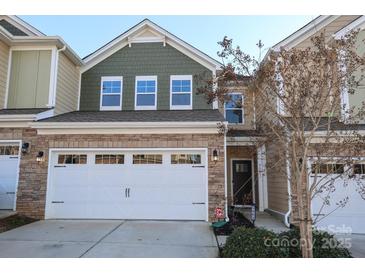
305,218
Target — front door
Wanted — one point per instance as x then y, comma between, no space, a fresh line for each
242,182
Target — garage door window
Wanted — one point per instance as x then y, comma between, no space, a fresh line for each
328,168
186,159
109,159
359,169
9,150
72,159
147,159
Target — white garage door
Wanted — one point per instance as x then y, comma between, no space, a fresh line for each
342,206
145,184
9,162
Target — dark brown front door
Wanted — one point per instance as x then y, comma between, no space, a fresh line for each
242,182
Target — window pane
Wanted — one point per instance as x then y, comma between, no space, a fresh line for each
186,159
72,159
111,100
359,169
145,99
234,116
107,159
146,86
147,159
181,99
235,101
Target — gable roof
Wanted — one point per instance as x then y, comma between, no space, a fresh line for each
359,23
19,27
147,31
305,32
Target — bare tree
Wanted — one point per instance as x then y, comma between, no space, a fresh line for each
299,108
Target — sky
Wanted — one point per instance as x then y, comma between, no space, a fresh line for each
85,34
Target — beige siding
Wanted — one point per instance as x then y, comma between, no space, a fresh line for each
357,99
276,178
4,59
29,79
330,29
248,108
67,85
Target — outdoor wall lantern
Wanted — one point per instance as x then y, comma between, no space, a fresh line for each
25,147
215,155
40,157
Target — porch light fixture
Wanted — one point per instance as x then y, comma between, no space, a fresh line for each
215,155
40,157
25,147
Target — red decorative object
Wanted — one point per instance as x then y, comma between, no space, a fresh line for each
219,213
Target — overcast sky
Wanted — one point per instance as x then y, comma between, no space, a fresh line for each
87,33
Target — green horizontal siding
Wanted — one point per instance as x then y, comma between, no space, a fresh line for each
142,60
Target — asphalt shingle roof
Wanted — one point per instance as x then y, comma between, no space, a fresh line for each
9,111
139,116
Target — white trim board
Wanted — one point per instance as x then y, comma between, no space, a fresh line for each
122,41
359,23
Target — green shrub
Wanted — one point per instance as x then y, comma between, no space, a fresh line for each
325,245
262,243
251,243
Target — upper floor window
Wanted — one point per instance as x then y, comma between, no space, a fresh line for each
146,92
181,92
233,109
111,93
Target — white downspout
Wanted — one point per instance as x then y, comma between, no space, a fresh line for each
56,74
288,173
225,174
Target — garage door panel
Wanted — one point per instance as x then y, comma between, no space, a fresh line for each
9,163
128,190
332,214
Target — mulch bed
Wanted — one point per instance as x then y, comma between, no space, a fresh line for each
236,219
14,221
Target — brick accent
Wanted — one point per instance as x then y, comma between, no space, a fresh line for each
33,175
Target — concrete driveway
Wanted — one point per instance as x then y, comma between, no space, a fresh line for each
358,245
110,239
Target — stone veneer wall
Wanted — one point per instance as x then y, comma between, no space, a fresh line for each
33,175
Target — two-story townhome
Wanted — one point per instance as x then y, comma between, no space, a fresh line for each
279,199
39,78
134,141
124,134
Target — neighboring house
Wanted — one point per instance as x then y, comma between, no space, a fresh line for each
123,133
280,203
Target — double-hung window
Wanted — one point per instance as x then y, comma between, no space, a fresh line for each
111,93
233,108
181,87
146,93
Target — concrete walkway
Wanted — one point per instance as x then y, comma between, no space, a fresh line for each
109,239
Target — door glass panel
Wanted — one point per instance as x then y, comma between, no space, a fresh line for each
186,159
111,159
147,159
9,150
72,159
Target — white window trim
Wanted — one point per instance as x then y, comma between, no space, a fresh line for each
181,77
243,115
145,78
111,78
